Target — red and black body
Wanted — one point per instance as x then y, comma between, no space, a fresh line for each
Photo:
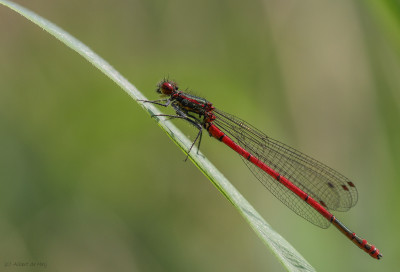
302,183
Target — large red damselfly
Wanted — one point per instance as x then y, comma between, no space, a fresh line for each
305,185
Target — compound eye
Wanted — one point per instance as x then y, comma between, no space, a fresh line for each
167,87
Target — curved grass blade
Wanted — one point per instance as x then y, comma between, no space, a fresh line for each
285,253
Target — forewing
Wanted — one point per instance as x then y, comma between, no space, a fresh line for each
327,186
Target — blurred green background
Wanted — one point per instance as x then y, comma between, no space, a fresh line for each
88,182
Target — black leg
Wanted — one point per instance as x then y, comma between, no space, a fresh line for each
157,102
182,114
198,137
194,121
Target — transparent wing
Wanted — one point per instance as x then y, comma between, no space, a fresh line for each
327,186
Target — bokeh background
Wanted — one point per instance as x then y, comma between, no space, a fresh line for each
88,182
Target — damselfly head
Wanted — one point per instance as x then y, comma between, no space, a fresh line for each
167,87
